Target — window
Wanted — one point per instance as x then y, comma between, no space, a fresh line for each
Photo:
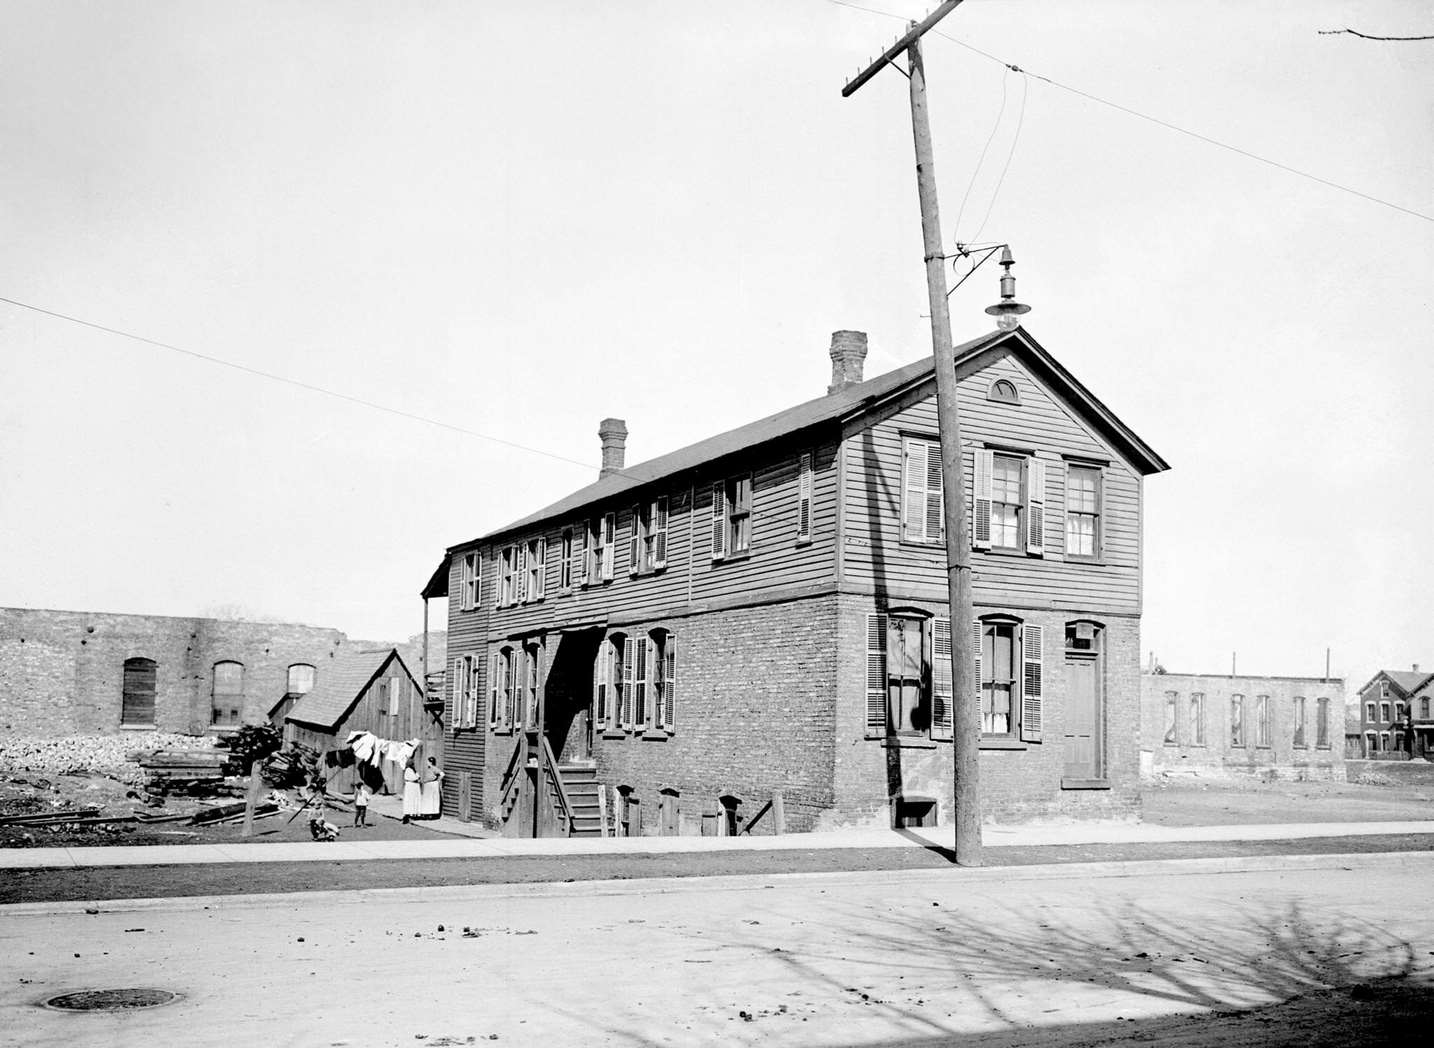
732,517
1399,711
468,592
465,692
909,677
1299,716
1171,703
507,565
1009,504
1197,719
1322,723
804,497
1237,720
228,694
500,690
1003,391
1424,708
137,698
1009,674
602,538
387,709
1384,712
530,675
1384,742
1264,722
535,580
1371,743
614,680
565,562
923,515
662,647
647,542
667,813
300,679
1083,493
629,822
1384,689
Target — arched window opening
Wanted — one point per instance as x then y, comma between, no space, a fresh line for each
137,703
729,816
301,678
667,813
227,698
1003,391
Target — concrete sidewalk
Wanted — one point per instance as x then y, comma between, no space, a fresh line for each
992,836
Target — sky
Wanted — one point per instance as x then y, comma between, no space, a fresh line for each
517,218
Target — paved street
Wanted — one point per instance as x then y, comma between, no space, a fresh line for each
1037,955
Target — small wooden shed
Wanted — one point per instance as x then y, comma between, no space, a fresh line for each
371,691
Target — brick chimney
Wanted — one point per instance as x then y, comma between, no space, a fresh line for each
848,354
613,434
1416,667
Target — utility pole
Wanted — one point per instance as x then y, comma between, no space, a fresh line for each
966,713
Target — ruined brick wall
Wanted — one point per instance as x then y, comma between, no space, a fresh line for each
62,672
1024,782
1216,753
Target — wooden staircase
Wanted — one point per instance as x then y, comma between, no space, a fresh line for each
585,795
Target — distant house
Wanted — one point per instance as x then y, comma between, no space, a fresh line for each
763,616
371,691
1282,727
1395,720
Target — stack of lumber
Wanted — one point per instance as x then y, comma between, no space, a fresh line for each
164,767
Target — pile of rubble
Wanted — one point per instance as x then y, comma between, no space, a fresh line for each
106,755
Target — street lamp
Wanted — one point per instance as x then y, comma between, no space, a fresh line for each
1007,311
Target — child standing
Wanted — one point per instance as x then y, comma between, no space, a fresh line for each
361,796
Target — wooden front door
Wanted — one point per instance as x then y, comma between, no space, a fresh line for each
1084,731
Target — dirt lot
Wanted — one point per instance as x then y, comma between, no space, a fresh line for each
1245,802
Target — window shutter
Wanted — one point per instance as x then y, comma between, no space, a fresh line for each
981,511
935,515
580,554
804,495
634,541
669,684
492,691
977,631
625,715
719,520
477,579
542,566
875,674
659,528
1035,506
602,673
457,693
520,571
642,664
1031,683
913,488
609,542
941,679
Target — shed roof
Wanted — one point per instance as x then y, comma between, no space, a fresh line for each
339,684
833,407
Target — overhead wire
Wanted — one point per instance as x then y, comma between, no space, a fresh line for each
1152,119
976,171
1020,120
297,383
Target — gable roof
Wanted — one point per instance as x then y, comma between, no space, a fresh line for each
834,407
338,685
1407,681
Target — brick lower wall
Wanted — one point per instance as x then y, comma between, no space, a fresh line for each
1015,784
62,672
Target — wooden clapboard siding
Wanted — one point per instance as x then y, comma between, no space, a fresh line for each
463,750
691,578
876,558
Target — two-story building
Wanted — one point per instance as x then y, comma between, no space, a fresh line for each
1394,715
761,617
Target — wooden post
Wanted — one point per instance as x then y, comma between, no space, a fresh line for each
251,798
966,714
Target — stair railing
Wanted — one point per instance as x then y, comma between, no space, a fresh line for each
561,801
512,778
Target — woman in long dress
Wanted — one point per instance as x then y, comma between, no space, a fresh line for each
412,792
432,789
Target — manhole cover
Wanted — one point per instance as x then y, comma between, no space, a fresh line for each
111,1000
